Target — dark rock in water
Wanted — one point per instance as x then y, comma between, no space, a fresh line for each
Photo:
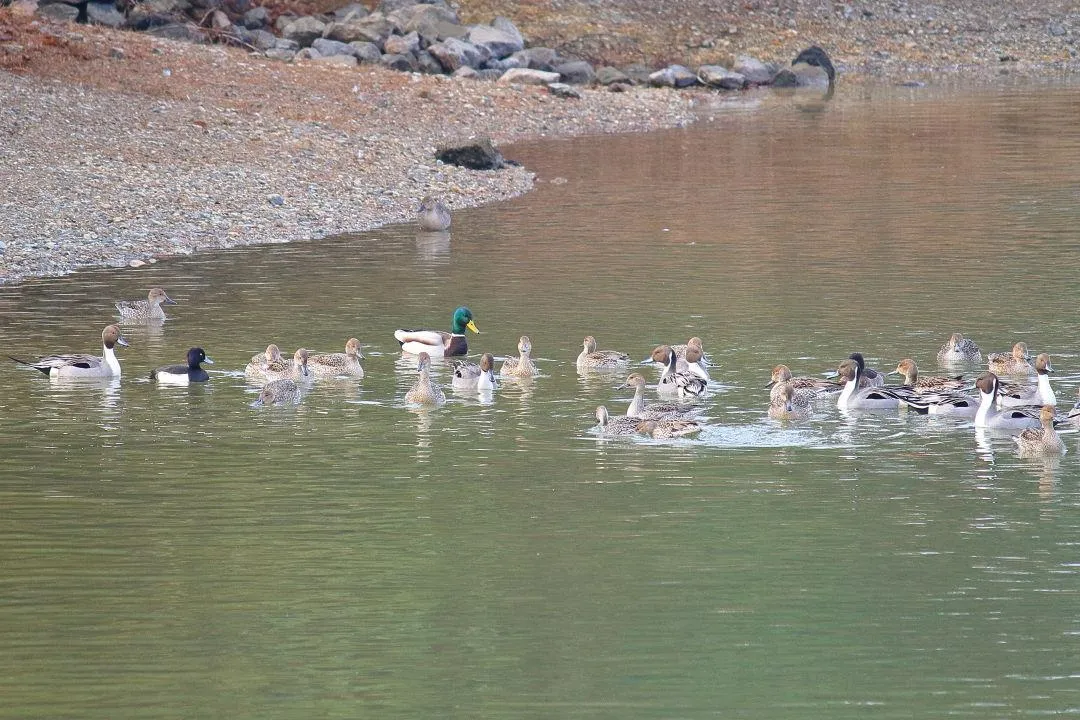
104,13
402,44
304,30
720,77
498,43
674,76
785,78
607,75
479,155
577,72
401,63
256,18
366,52
59,11
426,63
328,48
563,90
538,58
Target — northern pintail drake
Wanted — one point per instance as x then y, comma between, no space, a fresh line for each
685,384
869,377
620,425
278,392
672,428
812,387
437,343
988,414
959,350
1042,440
521,366
641,410
184,374
471,376
1074,414
148,309
425,391
907,369
1013,394
854,398
334,364
593,359
1012,363
787,404
77,365
694,342
433,215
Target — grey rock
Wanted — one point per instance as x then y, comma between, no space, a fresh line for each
256,18
388,6
368,29
577,72
151,13
563,90
433,26
220,21
720,77
275,200
329,48
674,76
503,64
755,71
785,78
184,32
422,13
283,20
286,44
505,25
117,53
488,74
402,44
403,63
307,53
528,76
304,30
277,53
465,72
1057,29
498,43
538,58
426,63
607,75
59,11
638,73
479,155
260,39
366,52
453,53
352,11
104,13
342,60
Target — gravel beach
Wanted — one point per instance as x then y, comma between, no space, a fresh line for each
120,148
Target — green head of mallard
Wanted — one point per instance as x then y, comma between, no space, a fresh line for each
463,319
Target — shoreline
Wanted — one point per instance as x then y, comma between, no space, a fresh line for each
142,149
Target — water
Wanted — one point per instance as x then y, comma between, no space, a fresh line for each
172,552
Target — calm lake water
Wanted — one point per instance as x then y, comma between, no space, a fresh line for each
176,553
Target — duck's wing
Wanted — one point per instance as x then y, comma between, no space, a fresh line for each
424,337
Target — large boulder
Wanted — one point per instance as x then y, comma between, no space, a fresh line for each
388,6
104,13
151,13
59,11
505,25
426,63
366,52
673,76
528,76
720,77
257,18
608,75
432,23
352,11
453,53
538,58
329,48
304,30
479,155
755,71
374,28
577,72
402,44
401,63
498,43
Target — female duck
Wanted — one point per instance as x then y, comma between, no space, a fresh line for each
278,392
853,398
425,391
281,369
811,387
521,366
959,350
650,411
593,359
1013,363
84,366
621,425
685,384
433,215
694,342
1042,440
666,429
933,383
1013,394
476,378
335,364
259,363
787,404
148,309
437,343
184,374
989,416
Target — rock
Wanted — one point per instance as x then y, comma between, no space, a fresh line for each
219,21
488,74
426,63
453,53
151,13
720,77
638,73
342,60
607,75
260,39
1057,29
283,20
275,200
352,11
479,155
563,90
256,18
402,44
537,58
371,29
527,76
388,6
286,44
185,32
104,13
330,48
755,71
304,30
117,53
619,87
59,12
465,72
502,64
402,63
366,52
578,72
498,43
674,76
278,53
505,25
307,53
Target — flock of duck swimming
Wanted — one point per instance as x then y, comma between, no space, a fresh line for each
1017,405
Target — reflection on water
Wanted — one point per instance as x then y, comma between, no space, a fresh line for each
495,556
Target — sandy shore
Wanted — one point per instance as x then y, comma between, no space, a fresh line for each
120,149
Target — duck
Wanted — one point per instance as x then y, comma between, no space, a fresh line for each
870,377
685,384
425,391
695,342
953,403
1013,394
788,404
184,374
437,343
665,429
1042,440
909,370
148,309
989,416
478,378
1074,415
811,387
620,425
522,366
433,215
1012,363
648,411
817,57
278,392
593,359
334,364
257,367
959,350
692,363
854,398
77,365
282,369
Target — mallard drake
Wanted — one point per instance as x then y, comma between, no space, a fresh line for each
1042,440
672,428
278,392
1012,394
478,378
1014,362
433,215
521,366
649,411
437,343
785,403
425,391
148,309
334,364
184,374
593,359
76,365
620,425
959,350
811,387
923,384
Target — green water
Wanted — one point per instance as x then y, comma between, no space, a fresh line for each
173,552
